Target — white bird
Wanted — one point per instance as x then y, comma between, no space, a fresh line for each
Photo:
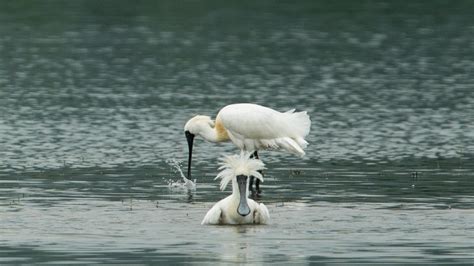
251,127
238,208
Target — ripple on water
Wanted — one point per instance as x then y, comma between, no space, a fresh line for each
92,108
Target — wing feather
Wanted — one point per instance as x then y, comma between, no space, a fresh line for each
254,126
213,216
258,122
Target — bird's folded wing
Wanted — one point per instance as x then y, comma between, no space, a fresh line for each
257,122
213,216
263,216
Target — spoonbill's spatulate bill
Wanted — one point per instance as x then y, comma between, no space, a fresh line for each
238,208
251,127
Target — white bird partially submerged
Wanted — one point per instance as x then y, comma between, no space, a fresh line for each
238,208
251,127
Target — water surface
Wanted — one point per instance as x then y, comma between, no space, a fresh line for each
94,96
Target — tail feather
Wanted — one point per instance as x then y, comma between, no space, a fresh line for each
301,123
302,142
290,145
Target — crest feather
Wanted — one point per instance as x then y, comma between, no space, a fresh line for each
234,165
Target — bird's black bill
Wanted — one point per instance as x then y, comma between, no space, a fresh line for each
190,139
243,208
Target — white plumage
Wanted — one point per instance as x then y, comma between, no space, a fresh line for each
251,127
226,211
234,165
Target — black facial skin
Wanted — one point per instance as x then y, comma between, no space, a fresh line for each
190,139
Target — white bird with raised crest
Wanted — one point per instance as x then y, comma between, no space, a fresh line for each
238,208
251,127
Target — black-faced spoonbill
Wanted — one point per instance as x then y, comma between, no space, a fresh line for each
238,208
251,127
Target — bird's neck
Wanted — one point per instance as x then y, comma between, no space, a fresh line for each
213,134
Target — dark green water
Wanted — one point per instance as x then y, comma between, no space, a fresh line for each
94,96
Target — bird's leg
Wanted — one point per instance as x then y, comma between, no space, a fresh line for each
251,180
257,182
252,190
254,154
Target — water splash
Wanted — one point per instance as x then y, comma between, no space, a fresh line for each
185,183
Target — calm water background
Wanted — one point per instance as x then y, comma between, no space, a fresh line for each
94,96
